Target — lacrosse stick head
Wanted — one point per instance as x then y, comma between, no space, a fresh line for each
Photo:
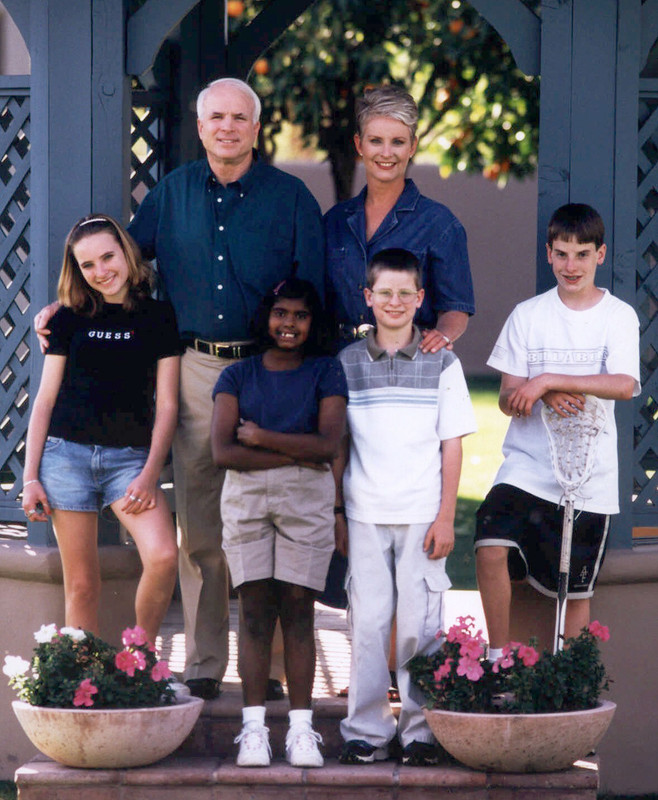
573,442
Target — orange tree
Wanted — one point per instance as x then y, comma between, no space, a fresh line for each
479,112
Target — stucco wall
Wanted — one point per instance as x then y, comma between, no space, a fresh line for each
501,227
14,57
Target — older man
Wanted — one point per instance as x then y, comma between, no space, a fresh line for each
223,230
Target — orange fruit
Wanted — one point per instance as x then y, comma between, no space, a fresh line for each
235,8
455,25
262,66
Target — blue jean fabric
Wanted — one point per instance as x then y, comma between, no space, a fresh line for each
424,227
87,477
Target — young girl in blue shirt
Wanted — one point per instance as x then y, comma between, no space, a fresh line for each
97,437
277,424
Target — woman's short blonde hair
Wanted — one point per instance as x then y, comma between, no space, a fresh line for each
74,291
387,101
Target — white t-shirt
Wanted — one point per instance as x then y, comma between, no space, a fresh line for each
544,335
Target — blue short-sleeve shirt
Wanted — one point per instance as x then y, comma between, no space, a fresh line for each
286,401
424,227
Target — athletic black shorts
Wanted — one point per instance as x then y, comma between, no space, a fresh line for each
532,529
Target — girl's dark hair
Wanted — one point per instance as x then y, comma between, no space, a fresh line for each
74,291
318,342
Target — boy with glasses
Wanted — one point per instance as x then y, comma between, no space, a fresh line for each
397,482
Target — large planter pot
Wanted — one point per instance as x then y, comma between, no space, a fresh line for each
520,742
108,738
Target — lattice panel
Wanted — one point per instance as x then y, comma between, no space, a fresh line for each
14,291
645,473
146,140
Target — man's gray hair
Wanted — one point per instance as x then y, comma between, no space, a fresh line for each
387,101
236,83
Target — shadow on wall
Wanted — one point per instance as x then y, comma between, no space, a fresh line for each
501,227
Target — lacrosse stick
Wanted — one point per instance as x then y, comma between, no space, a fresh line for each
573,441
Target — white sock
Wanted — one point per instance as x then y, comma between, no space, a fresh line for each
495,653
300,715
253,714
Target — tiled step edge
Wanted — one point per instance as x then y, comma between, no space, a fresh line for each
42,778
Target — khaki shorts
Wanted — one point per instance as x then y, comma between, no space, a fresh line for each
279,523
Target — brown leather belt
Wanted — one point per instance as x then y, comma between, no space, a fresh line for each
223,349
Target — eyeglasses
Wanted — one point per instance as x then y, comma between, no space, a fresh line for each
386,295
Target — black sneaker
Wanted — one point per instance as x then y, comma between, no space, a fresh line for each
206,688
358,751
420,754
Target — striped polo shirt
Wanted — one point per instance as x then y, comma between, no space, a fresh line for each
400,409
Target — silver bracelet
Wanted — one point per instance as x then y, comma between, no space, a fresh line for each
34,480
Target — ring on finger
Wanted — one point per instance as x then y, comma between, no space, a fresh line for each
138,499
132,497
31,512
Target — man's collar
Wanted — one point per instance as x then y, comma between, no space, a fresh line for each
376,352
244,182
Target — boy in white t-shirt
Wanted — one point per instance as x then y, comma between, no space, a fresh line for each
573,340
407,412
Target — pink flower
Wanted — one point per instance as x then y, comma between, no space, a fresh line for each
528,655
507,659
599,631
160,671
461,632
471,649
128,662
84,692
134,635
443,671
470,668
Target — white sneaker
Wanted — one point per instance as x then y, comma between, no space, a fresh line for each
255,750
302,746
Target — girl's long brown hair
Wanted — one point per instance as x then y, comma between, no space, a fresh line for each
74,291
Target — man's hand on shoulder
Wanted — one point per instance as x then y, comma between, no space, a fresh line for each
41,321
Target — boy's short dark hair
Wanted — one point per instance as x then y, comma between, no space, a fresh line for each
576,221
394,258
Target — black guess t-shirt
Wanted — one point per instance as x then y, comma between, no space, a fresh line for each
107,396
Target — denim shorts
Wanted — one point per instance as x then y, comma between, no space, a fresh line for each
87,477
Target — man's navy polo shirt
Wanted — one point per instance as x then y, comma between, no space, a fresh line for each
219,249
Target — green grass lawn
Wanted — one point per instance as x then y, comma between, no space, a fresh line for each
7,790
482,457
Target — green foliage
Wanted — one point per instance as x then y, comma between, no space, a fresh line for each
62,663
457,678
479,113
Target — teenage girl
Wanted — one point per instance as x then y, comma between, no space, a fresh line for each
278,421
97,437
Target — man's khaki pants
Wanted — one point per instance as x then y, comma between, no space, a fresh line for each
198,487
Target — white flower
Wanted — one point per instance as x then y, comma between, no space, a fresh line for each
77,634
46,633
15,665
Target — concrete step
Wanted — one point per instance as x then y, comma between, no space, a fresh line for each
203,769
221,721
199,778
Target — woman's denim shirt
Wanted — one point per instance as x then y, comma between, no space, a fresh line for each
424,227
